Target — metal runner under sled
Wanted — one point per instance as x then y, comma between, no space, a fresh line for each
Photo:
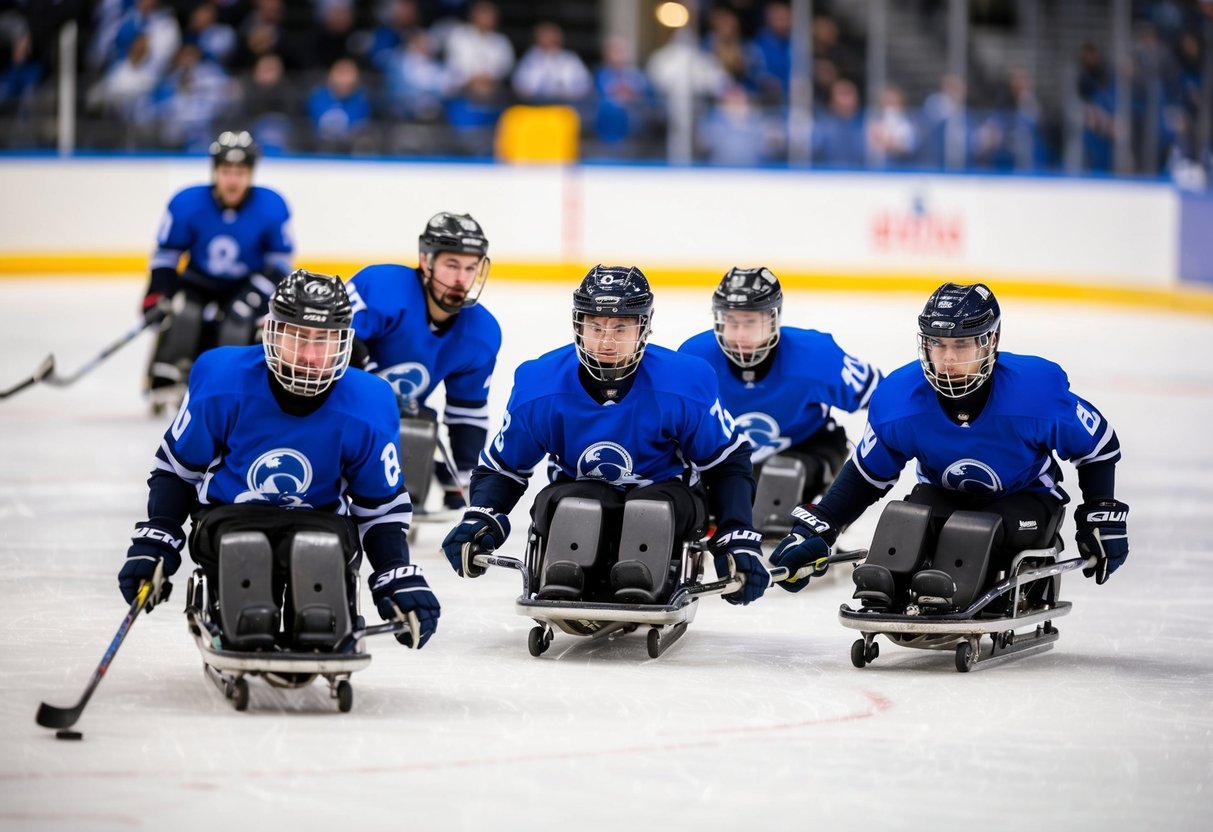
327,636
1027,597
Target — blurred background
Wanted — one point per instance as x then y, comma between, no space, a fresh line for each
1104,87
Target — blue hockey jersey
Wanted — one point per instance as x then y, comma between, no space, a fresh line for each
809,374
1008,448
233,443
390,317
225,243
670,425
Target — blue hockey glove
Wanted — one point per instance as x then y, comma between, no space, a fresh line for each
810,540
1102,532
484,527
740,552
153,541
402,590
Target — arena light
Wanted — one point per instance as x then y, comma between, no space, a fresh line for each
673,15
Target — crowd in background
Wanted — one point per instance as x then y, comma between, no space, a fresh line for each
432,77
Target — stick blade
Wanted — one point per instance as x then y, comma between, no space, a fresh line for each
50,716
45,368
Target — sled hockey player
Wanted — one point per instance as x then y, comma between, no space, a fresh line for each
635,429
983,426
236,239
271,442
779,382
417,327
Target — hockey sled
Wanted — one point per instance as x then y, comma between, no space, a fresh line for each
244,641
1016,612
665,621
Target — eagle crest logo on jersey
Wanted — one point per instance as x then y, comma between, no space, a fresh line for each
608,462
410,380
762,431
972,476
279,477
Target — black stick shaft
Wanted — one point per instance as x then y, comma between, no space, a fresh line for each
63,381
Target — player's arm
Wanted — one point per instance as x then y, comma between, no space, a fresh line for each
467,424
855,383
173,239
1101,521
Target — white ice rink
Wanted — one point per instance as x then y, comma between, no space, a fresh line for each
756,720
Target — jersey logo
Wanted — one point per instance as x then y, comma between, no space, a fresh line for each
410,380
279,477
971,476
608,462
762,431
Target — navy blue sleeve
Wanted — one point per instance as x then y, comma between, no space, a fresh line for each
730,486
492,489
849,496
169,497
1097,479
162,282
467,439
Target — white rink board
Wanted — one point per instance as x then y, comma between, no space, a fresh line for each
754,720
1039,229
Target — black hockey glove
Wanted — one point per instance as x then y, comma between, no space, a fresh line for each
154,541
1102,532
810,540
739,552
400,591
483,527
155,307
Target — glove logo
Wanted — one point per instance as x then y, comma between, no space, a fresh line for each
971,476
1107,517
608,462
279,477
762,431
410,380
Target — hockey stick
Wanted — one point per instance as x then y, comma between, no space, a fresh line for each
44,369
450,469
57,380
50,716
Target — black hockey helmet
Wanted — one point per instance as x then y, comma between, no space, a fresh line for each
234,148
747,290
453,232
957,310
461,234
616,292
308,334
311,299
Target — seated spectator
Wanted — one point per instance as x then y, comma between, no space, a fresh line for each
269,102
158,24
126,84
476,48
667,68
191,99
735,132
943,112
838,133
339,109
771,53
216,40
399,21
892,136
20,74
417,82
550,74
625,96
331,35
723,41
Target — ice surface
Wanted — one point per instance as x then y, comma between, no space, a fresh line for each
755,720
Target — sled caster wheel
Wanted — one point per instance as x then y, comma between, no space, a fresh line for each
859,653
654,641
345,696
538,640
965,657
240,694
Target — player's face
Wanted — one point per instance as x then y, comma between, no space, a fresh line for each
956,358
232,183
610,340
310,352
453,277
746,331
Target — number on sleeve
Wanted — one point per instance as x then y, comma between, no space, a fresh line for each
391,464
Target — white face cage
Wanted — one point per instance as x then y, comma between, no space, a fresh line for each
750,336
306,360
621,330
959,384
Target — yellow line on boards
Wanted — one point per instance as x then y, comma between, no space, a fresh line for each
1192,299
